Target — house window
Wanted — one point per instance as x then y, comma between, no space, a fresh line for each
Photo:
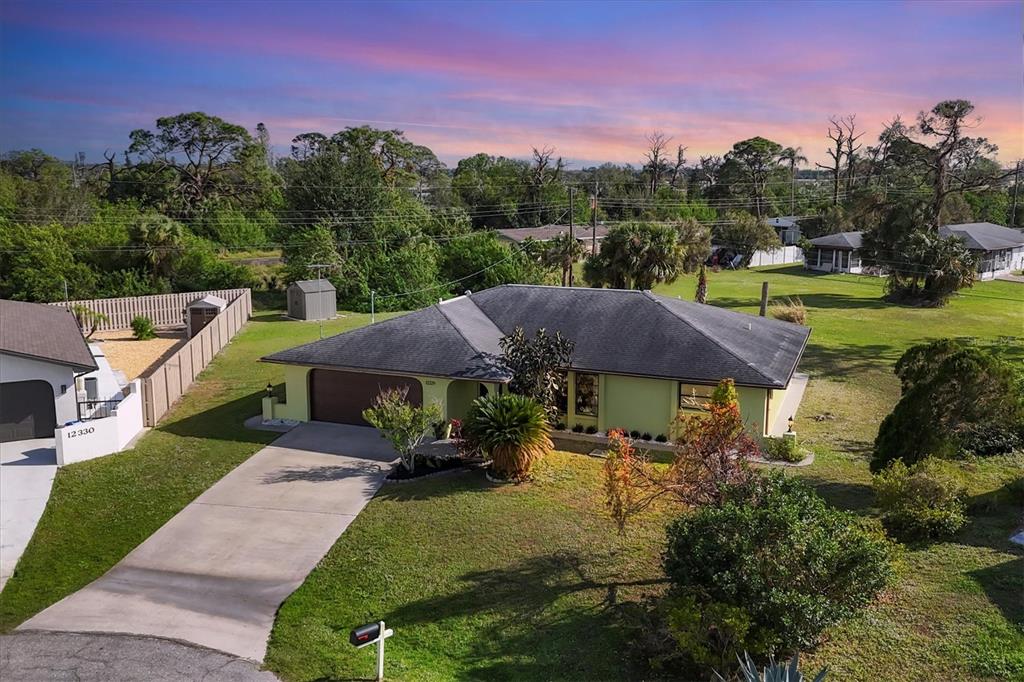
586,394
695,398
562,393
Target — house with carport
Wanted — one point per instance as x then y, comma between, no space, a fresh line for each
639,359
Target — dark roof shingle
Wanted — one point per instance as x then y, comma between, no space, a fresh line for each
985,236
840,240
614,331
43,332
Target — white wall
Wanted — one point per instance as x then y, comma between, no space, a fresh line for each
97,437
60,377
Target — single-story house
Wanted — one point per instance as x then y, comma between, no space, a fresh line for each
584,233
41,353
787,228
1000,250
835,253
639,358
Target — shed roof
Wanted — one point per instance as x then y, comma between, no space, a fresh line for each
840,240
209,301
313,286
549,232
43,332
614,331
985,236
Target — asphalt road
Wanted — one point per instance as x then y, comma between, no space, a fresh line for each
54,656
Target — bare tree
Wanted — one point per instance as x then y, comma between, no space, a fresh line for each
707,170
679,166
656,164
852,147
836,133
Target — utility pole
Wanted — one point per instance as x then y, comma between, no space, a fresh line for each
593,220
319,294
572,230
764,299
1016,186
373,316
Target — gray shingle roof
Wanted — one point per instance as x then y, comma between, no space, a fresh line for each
985,236
615,331
547,232
43,332
840,240
784,221
312,286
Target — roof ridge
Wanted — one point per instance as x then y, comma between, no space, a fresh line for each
713,340
456,327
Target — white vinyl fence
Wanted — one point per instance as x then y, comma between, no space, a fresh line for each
165,310
782,256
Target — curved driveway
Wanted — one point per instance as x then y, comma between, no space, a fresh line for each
216,573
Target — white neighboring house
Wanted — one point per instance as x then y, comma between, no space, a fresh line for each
787,227
1000,250
41,353
838,252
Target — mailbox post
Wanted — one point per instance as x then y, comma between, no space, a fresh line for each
372,633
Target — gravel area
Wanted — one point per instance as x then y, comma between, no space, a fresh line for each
133,357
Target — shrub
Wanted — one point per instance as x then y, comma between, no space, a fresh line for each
725,393
634,434
781,449
661,438
773,565
985,440
142,328
790,310
401,423
560,426
645,436
949,389
922,500
591,429
577,428
512,429
537,364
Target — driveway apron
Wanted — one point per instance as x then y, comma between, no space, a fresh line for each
27,468
216,573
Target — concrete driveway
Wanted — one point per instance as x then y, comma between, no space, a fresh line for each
27,468
216,573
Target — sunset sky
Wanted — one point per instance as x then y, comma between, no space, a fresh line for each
590,79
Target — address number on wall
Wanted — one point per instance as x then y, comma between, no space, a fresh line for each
81,432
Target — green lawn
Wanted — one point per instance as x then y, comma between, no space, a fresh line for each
532,581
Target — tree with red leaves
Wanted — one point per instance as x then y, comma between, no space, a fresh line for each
712,451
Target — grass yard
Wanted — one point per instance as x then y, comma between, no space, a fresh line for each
533,581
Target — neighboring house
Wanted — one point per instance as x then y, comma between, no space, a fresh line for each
638,358
41,353
1000,250
787,228
835,253
584,233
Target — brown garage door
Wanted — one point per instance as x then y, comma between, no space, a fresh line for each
26,410
341,397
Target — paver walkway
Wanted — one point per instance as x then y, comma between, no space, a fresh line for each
27,468
216,573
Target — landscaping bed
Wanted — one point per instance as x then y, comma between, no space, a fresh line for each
133,357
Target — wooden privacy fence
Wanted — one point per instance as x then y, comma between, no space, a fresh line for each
164,385
165,310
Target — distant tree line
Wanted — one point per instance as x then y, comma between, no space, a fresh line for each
185,202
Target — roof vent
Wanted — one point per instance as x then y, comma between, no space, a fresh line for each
468,292
748,327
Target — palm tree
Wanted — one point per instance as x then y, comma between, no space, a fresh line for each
513,430
159,237
793,156
564,251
